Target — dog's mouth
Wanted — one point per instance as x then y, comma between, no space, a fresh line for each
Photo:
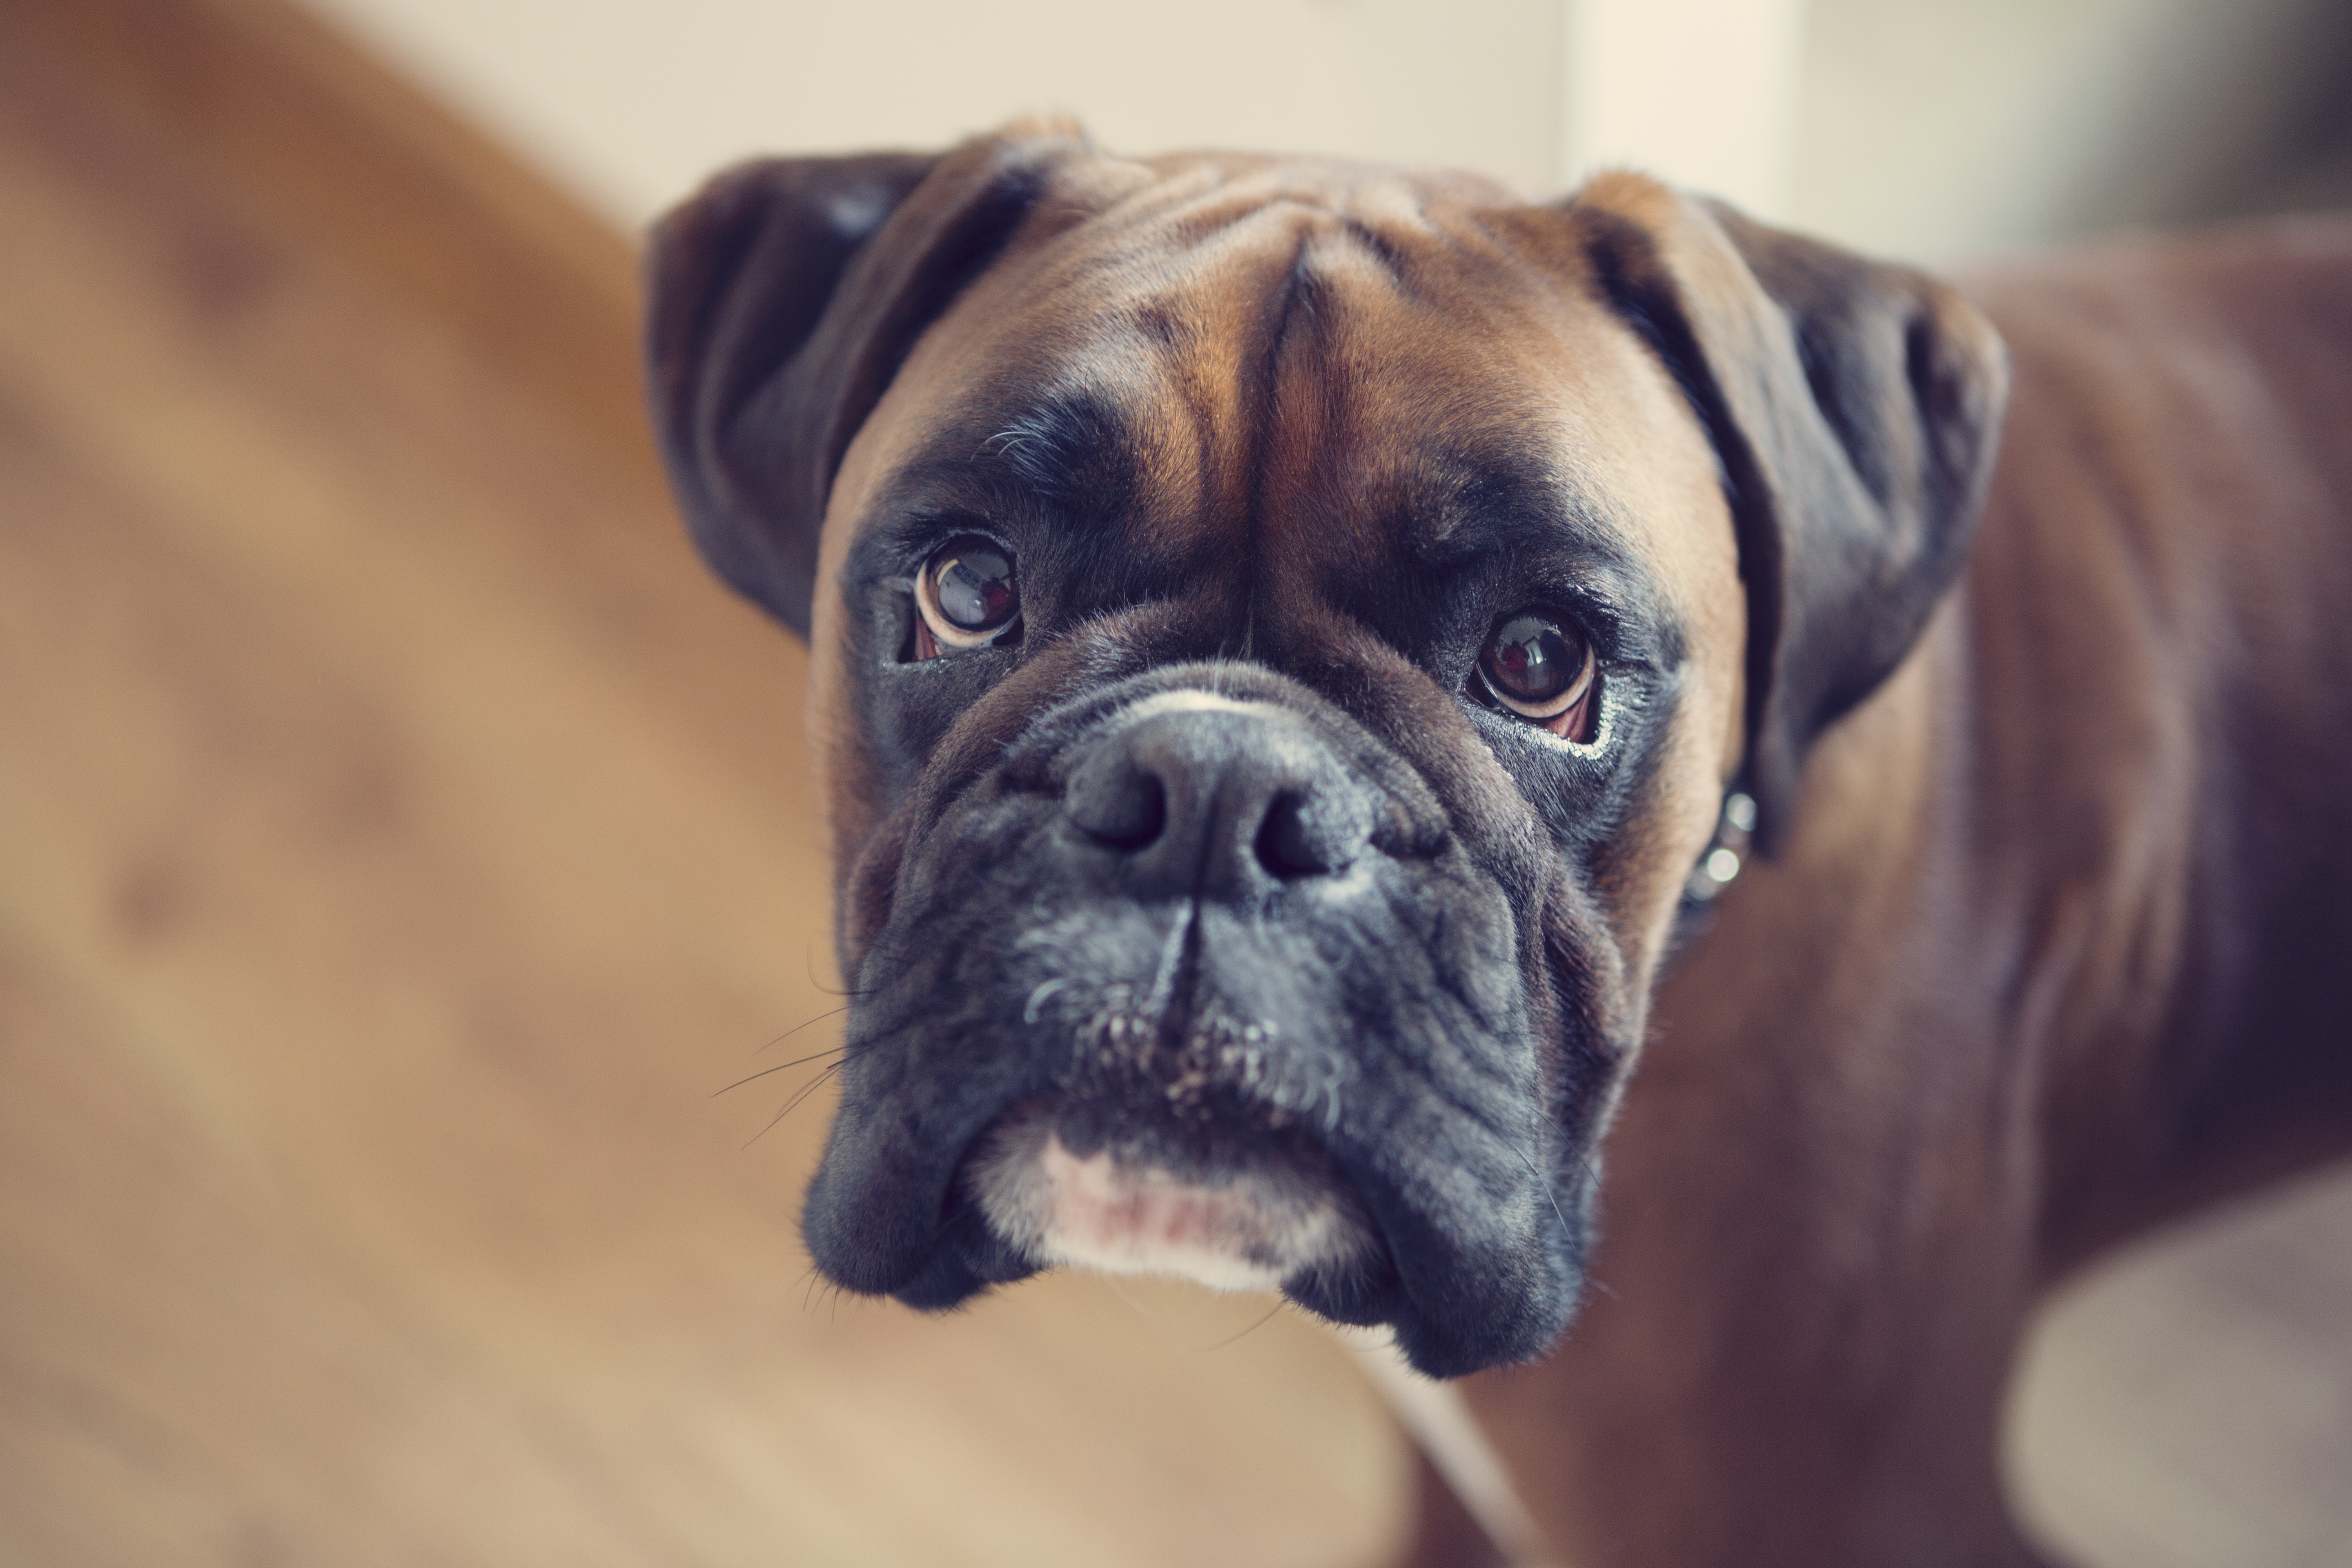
1418,1195
1268,1215
1275,1031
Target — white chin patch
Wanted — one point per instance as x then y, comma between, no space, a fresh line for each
1098,1211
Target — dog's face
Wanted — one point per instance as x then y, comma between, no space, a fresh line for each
1282,640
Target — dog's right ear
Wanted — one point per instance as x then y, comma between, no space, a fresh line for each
1854,408
782,299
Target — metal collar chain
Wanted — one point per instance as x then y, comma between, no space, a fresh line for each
1724,855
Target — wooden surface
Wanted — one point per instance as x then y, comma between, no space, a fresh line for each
401,837
2189,1403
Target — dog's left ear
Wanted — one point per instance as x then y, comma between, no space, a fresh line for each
781,300
1854,406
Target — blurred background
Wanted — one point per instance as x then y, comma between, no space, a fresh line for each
404,845
1930,130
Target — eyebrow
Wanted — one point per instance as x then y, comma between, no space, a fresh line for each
1473,501
1500,504
1070,448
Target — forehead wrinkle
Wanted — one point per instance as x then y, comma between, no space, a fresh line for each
1194,319
1448,442
1418,435
1191,305
1140,375
1173,239
1443,411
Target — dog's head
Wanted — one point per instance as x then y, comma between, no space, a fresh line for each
1283,633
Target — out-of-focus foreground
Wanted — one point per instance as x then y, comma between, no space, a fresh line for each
401,836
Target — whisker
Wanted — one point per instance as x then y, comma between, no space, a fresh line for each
796,1028
802,1093
848,1053
1278,1305
780,1067
806,1090
808,966
1550,1196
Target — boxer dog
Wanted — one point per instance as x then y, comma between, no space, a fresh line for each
1294,644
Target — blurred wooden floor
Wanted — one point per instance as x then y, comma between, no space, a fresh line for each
401,837
2189,1403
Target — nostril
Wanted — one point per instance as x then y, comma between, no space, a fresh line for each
1209,799
1117,804
1295,841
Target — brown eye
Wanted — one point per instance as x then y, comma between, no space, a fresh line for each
967,593
1539,667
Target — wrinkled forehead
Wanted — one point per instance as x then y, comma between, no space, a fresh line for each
1285,365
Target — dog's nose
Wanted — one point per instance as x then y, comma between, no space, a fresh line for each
1223,800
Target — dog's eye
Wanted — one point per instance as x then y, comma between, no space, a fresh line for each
1539,666
967,594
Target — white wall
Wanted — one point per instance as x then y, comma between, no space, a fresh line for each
1931,129
635,100
631,101
1702,91
1941,129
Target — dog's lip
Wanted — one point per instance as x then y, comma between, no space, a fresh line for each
1238,1213
1423,1263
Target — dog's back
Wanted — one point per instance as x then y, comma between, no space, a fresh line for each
2161,610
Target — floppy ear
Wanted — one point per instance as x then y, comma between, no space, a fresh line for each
783,298
1854,406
